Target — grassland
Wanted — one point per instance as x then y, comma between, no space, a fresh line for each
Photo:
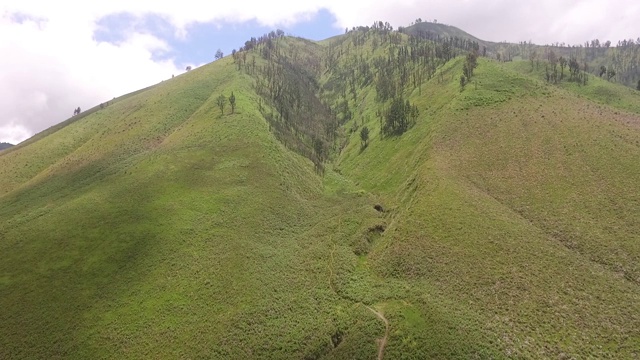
514,200
160,228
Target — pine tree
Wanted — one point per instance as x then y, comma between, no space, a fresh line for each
232,102
221,101
364,136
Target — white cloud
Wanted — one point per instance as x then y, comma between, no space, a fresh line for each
50,67
13,133
48,46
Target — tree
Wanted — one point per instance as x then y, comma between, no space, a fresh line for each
364,136
413,113
219,54
610,73
553,61
603,70
463,82
563,64
574,69
470,63
398,117
188,68
585,76
319,150
221,101
232,102
546,72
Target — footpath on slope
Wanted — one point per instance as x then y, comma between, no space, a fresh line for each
383,341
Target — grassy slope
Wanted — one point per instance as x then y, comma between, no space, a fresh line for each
158,228
513,200
598,90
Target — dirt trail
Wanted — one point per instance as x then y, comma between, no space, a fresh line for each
381,342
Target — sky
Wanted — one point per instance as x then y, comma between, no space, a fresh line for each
58,55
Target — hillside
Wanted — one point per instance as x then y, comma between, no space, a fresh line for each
429,30
494,220
5,145
616,62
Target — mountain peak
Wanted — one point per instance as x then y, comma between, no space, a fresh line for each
427,30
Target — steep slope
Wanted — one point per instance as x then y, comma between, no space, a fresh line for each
499,222
514,200
159,227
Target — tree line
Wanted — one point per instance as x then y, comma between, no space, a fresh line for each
621,61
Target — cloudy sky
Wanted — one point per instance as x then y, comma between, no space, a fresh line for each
58,55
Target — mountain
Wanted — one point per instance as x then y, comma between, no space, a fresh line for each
615,62
427,29
5,145
485,212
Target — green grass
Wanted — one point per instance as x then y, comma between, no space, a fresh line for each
169,230
160,228
598,90
514,200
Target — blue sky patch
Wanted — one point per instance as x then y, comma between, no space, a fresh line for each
204,39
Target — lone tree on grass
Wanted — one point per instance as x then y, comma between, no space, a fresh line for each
364,136
610,74
219,54
232,102
221,101
603,70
